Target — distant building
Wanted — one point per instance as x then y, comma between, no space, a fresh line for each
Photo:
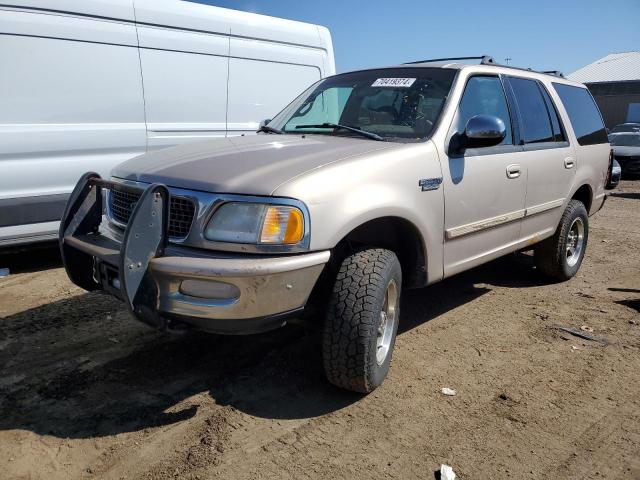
614,82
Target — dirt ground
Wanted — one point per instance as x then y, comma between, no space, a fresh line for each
86,392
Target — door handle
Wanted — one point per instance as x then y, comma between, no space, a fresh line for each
513,170
569,162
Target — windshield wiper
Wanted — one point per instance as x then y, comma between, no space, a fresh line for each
364,133
268,129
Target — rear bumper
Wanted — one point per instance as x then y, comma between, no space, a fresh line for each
164,285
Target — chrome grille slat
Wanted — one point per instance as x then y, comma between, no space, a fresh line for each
181,211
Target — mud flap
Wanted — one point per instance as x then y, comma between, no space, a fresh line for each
144,239
82,215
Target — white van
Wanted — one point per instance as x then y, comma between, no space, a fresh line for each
87,84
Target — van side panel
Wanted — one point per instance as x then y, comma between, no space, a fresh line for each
327,44
75,104
269,62
185,85
73,95
264,77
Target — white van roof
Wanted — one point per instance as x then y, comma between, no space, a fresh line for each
191,16
195,16
117,9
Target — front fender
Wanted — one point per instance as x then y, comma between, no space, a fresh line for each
346,194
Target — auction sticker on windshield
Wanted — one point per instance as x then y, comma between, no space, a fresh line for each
393,82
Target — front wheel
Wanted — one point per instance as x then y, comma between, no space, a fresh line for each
362,320
560,256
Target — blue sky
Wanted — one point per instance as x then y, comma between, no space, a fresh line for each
544,35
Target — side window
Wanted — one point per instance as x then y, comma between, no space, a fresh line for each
536,125
583,113
485,96
558,132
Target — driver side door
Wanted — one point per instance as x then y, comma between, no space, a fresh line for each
484,188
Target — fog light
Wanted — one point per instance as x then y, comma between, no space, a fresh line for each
209,289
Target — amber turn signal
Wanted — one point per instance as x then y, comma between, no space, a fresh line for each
283,225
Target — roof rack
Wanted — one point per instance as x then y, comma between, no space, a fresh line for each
484,60
555,73
488,60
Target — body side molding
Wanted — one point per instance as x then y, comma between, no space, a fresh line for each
502,219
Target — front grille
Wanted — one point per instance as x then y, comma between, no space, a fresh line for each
181,211
121,205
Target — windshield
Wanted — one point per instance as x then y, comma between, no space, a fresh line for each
625,139
399,104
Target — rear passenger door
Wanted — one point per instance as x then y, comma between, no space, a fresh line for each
548,157
484,188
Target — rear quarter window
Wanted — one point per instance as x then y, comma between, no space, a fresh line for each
583,113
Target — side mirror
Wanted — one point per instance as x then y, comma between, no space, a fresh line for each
265,122
480,131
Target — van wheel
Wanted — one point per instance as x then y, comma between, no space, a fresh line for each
362,320
560,256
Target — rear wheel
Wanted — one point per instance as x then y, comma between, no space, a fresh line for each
362,320
560,256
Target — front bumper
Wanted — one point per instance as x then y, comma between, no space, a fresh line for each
263,289
629,164
165,285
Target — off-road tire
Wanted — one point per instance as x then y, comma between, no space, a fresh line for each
550,255
351,324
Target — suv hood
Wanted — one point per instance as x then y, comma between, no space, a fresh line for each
255,164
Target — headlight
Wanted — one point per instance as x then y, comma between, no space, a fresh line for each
243,222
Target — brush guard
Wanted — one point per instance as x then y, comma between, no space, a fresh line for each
97,262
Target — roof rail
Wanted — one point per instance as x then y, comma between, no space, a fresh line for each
484,60
555,73
488,60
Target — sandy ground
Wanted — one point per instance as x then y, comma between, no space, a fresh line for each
86,392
